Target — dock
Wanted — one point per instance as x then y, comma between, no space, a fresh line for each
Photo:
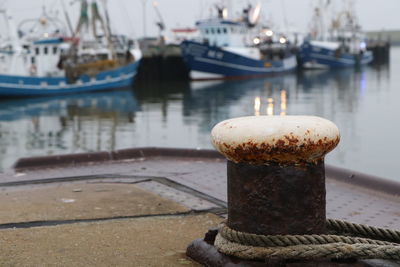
381,52
162,63
143,206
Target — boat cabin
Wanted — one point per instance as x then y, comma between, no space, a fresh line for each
44,54
223,33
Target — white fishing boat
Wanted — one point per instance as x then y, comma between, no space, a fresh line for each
43,58
232,48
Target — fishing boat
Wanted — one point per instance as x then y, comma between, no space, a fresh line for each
341,44
39,57
232,48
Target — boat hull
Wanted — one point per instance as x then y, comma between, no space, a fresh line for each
314,56
210,62
36,86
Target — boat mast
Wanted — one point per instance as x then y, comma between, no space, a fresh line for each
67,18
108,24
83,16
106,27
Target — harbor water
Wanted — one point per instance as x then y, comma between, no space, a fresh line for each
363,103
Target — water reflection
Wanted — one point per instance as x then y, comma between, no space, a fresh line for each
216,101
257,106
270,108
283,102
314,93
63,124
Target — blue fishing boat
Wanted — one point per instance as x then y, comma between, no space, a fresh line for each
325,54
341,44
41,58
236,48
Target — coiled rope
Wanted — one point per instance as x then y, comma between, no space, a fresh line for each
345,240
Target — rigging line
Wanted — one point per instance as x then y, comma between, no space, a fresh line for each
126,15
285,22
67,17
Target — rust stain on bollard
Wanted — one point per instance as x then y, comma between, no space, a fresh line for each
281,139
276,175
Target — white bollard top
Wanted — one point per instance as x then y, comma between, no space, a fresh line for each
280,139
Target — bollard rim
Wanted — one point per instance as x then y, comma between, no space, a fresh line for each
278,139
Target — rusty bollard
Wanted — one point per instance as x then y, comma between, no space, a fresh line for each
276,173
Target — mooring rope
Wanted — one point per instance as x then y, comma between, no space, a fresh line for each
349,241
344,227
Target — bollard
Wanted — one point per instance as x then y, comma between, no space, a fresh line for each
276,174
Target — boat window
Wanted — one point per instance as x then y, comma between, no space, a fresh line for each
37,51
206,31
218,30
33,60
225,30
55,49
45,50
212,30
103,56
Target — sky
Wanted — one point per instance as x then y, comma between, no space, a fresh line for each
128,15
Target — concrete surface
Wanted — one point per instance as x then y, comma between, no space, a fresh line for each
157,241
81,201
97,224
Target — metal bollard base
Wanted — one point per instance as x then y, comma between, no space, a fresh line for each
276,200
